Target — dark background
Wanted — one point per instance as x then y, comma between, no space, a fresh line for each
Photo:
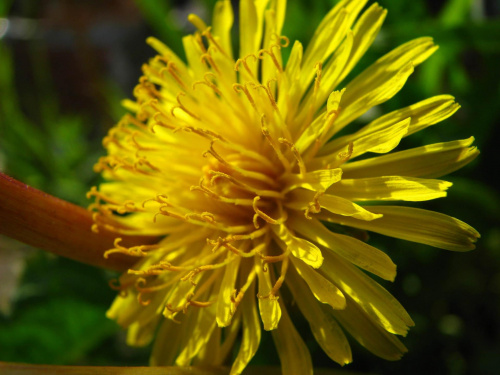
64,67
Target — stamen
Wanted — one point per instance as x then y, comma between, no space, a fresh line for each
284,41
159,110
136,251
157,269
129,119
116,285
141,301
172,70
281,279
245,64
208,83
248,153
274,258
330,118
242,172
250,236
190,297
225,242
181,106
95,193
198,39
269,51
296,154
155,288
207,217
275,147
267,89
147,87
264,216
160,198
314,206
218,197
207,33
241,88
208,267
200,304
208,59
133,141
264,193
319,73
346,155
236,299
143,161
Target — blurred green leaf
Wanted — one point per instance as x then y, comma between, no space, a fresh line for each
156,14
455,12
58,331
4,7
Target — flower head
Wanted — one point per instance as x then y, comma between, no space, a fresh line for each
237,164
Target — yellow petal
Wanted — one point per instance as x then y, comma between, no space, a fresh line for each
193,55
319,180
251,20
417,225
349,248
415,51
251,332
332,30
380,140
369,334
330,74
321,288
166,345
345,207
210,354
324,327
270,311
231,333
353,7
365,30
268,65
224,304
124,309
379,304
279,7
390,188
198,326
301,200
222,22
316,129
431,161
288,101
423,114
294,355
323,43
141,335
166,52
294,63
357,105
178,297
300,248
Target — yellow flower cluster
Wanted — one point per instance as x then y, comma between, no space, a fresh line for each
237,164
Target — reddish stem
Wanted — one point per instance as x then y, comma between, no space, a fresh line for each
52,224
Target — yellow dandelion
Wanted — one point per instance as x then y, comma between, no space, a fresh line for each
237,166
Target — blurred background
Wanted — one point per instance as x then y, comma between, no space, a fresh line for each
66,64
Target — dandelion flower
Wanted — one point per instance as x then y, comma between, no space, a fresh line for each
238,166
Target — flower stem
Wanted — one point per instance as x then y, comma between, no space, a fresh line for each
52,224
